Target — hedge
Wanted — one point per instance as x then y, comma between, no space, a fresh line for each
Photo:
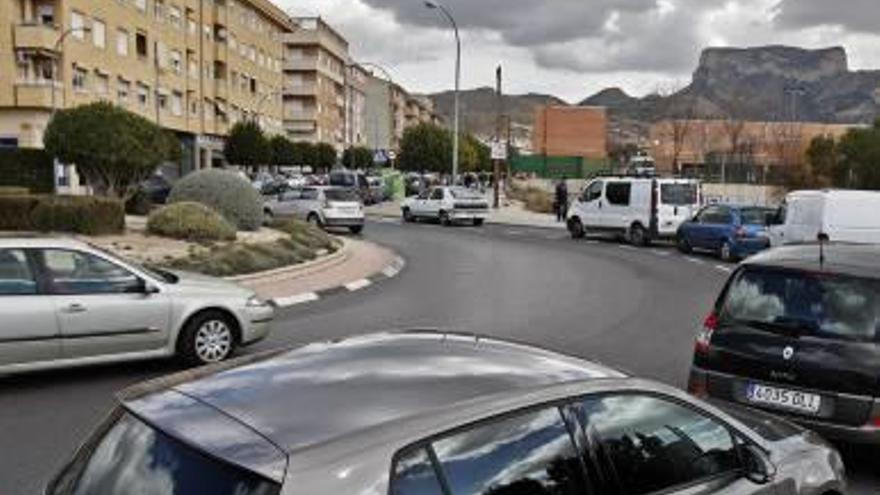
88,215
28,168
190,221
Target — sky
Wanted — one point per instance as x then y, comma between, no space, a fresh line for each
573,48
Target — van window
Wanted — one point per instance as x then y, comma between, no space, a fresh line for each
343,179
817,304
593,192
618,193
680,194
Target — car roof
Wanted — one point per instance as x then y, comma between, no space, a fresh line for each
860,260
322,392
36,240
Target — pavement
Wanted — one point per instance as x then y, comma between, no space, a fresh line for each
635,309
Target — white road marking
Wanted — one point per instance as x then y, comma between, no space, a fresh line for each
358,284
514,232
286,302
627,247
388,220
695,260
590,241
725,269
391,271
658,252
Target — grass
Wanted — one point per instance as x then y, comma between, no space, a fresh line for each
304,243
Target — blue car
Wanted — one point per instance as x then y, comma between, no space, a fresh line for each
734,232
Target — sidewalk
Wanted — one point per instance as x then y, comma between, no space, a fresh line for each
510,213
357,265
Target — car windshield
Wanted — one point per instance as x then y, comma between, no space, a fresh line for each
462,193
679,194
340,195
792,302
756,216
133,458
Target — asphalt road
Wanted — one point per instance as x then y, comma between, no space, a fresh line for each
636,309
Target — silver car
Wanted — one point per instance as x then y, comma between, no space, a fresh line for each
322,206
424,413
66,303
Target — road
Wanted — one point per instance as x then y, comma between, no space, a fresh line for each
636,309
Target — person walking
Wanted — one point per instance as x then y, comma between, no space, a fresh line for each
561,200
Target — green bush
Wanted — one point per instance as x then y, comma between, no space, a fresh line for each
90,215
14,191
225,192
15,211
190,221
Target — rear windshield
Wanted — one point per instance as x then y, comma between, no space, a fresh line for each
343,179
756,216
821,305
462,193
340,195
133,458
678,194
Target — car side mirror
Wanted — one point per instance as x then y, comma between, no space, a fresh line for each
757,465
149,288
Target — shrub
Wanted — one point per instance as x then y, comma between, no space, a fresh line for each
14,191
534,198
15,211
90,215
190,221
225,192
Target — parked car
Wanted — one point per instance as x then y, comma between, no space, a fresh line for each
733,232
448,205
430,413
356,181
66,303
295,180
796,331
322,206
637,209
378,191
836,215
155,189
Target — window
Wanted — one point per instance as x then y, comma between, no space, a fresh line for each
80,78
140,42
143,95
154,463
102,84
176,61
654,444
74,272
618,193
77,24
414,475
16,277
756,216
46,14
122,42
192,27
593,192
162,99
193,105
678,194
715,215
530,453
437,194
99,35
177,103
123,89
193,67
174,16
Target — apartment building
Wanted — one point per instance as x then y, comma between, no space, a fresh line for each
356,127
193,66
315,79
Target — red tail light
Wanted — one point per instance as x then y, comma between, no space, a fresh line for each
875,422
698,384
704,338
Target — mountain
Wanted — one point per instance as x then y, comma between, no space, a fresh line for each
478,108
765,83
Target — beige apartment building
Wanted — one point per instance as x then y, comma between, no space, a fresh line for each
193,66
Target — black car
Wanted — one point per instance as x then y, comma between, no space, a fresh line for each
796,331
156,189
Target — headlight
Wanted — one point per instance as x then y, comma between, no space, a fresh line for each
255,302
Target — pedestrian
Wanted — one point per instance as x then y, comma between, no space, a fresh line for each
561,202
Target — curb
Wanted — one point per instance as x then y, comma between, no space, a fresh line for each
390,271
327,261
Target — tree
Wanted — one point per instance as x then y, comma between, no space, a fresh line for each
112,148
824,161
357,157
860,158
426,148
247,146
283,151
474,156
325,156
303,154
680,110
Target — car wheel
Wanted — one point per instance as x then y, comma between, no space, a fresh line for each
314,219
638,236
725,252
478,222
356,229
207,338
444,219
268,217
683,245
576,228
407,215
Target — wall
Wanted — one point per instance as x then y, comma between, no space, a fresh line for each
571,131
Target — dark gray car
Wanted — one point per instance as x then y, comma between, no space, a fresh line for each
431,413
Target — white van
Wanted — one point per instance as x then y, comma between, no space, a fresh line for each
638,209
837,215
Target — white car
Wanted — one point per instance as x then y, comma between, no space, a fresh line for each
837,215
66,303
321,206
638,209
447,205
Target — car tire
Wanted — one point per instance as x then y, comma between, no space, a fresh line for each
268,217
576,228
725,252
683,245
445,220
478,222
208,337
638,236
408,216
356,229
314,219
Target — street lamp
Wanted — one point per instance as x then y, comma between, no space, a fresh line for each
434,5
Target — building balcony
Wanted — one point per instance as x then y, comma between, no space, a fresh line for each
301,64
38,94
305,89
301,115
221,89
221,52
40,37
300,126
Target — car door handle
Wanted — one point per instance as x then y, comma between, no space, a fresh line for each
75,308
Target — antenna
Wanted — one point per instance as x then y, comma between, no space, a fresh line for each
822,237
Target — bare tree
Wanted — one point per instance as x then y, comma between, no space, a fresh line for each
680,112
786,149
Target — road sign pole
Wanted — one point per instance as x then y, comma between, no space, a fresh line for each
499,130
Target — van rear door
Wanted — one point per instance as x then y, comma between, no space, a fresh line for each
678,201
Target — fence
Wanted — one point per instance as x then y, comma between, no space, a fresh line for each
554,167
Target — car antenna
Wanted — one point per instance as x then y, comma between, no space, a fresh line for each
822,238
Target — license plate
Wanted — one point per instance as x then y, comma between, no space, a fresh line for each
784,398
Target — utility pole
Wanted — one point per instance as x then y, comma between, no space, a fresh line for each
499,132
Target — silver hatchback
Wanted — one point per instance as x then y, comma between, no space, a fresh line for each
321,206
65,303
427,413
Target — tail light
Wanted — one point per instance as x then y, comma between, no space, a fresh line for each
704,338
875,422
698,385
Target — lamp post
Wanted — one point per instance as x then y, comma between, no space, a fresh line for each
434,5
59,72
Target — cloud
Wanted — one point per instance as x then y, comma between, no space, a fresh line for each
858,15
